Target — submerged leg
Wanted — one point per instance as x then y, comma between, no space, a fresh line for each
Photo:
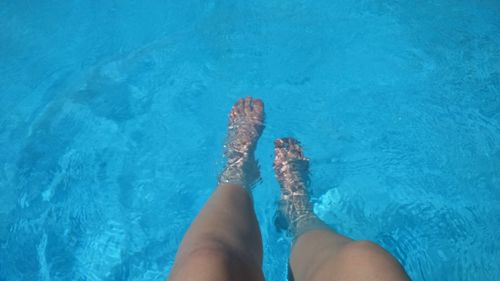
224,241
319,253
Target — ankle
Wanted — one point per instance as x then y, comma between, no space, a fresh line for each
308,224
298,213
241,171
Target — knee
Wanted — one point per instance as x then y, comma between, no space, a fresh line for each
208,255
212,263
365,252
358,260
363,248
201,263
372,258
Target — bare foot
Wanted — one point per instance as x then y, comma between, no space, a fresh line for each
246,122
292,172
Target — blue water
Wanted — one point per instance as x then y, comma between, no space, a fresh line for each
113,116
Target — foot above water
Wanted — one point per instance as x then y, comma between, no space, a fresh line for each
246,122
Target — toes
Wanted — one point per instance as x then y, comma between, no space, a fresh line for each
293,142
288,148
295,154
258,106
278,143
279,151
233,113
247,106
250,107
296,150
286,143
236,109
240,105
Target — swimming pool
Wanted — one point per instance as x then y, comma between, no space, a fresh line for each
113,116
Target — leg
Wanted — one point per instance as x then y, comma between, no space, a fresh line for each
318,253
224,242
